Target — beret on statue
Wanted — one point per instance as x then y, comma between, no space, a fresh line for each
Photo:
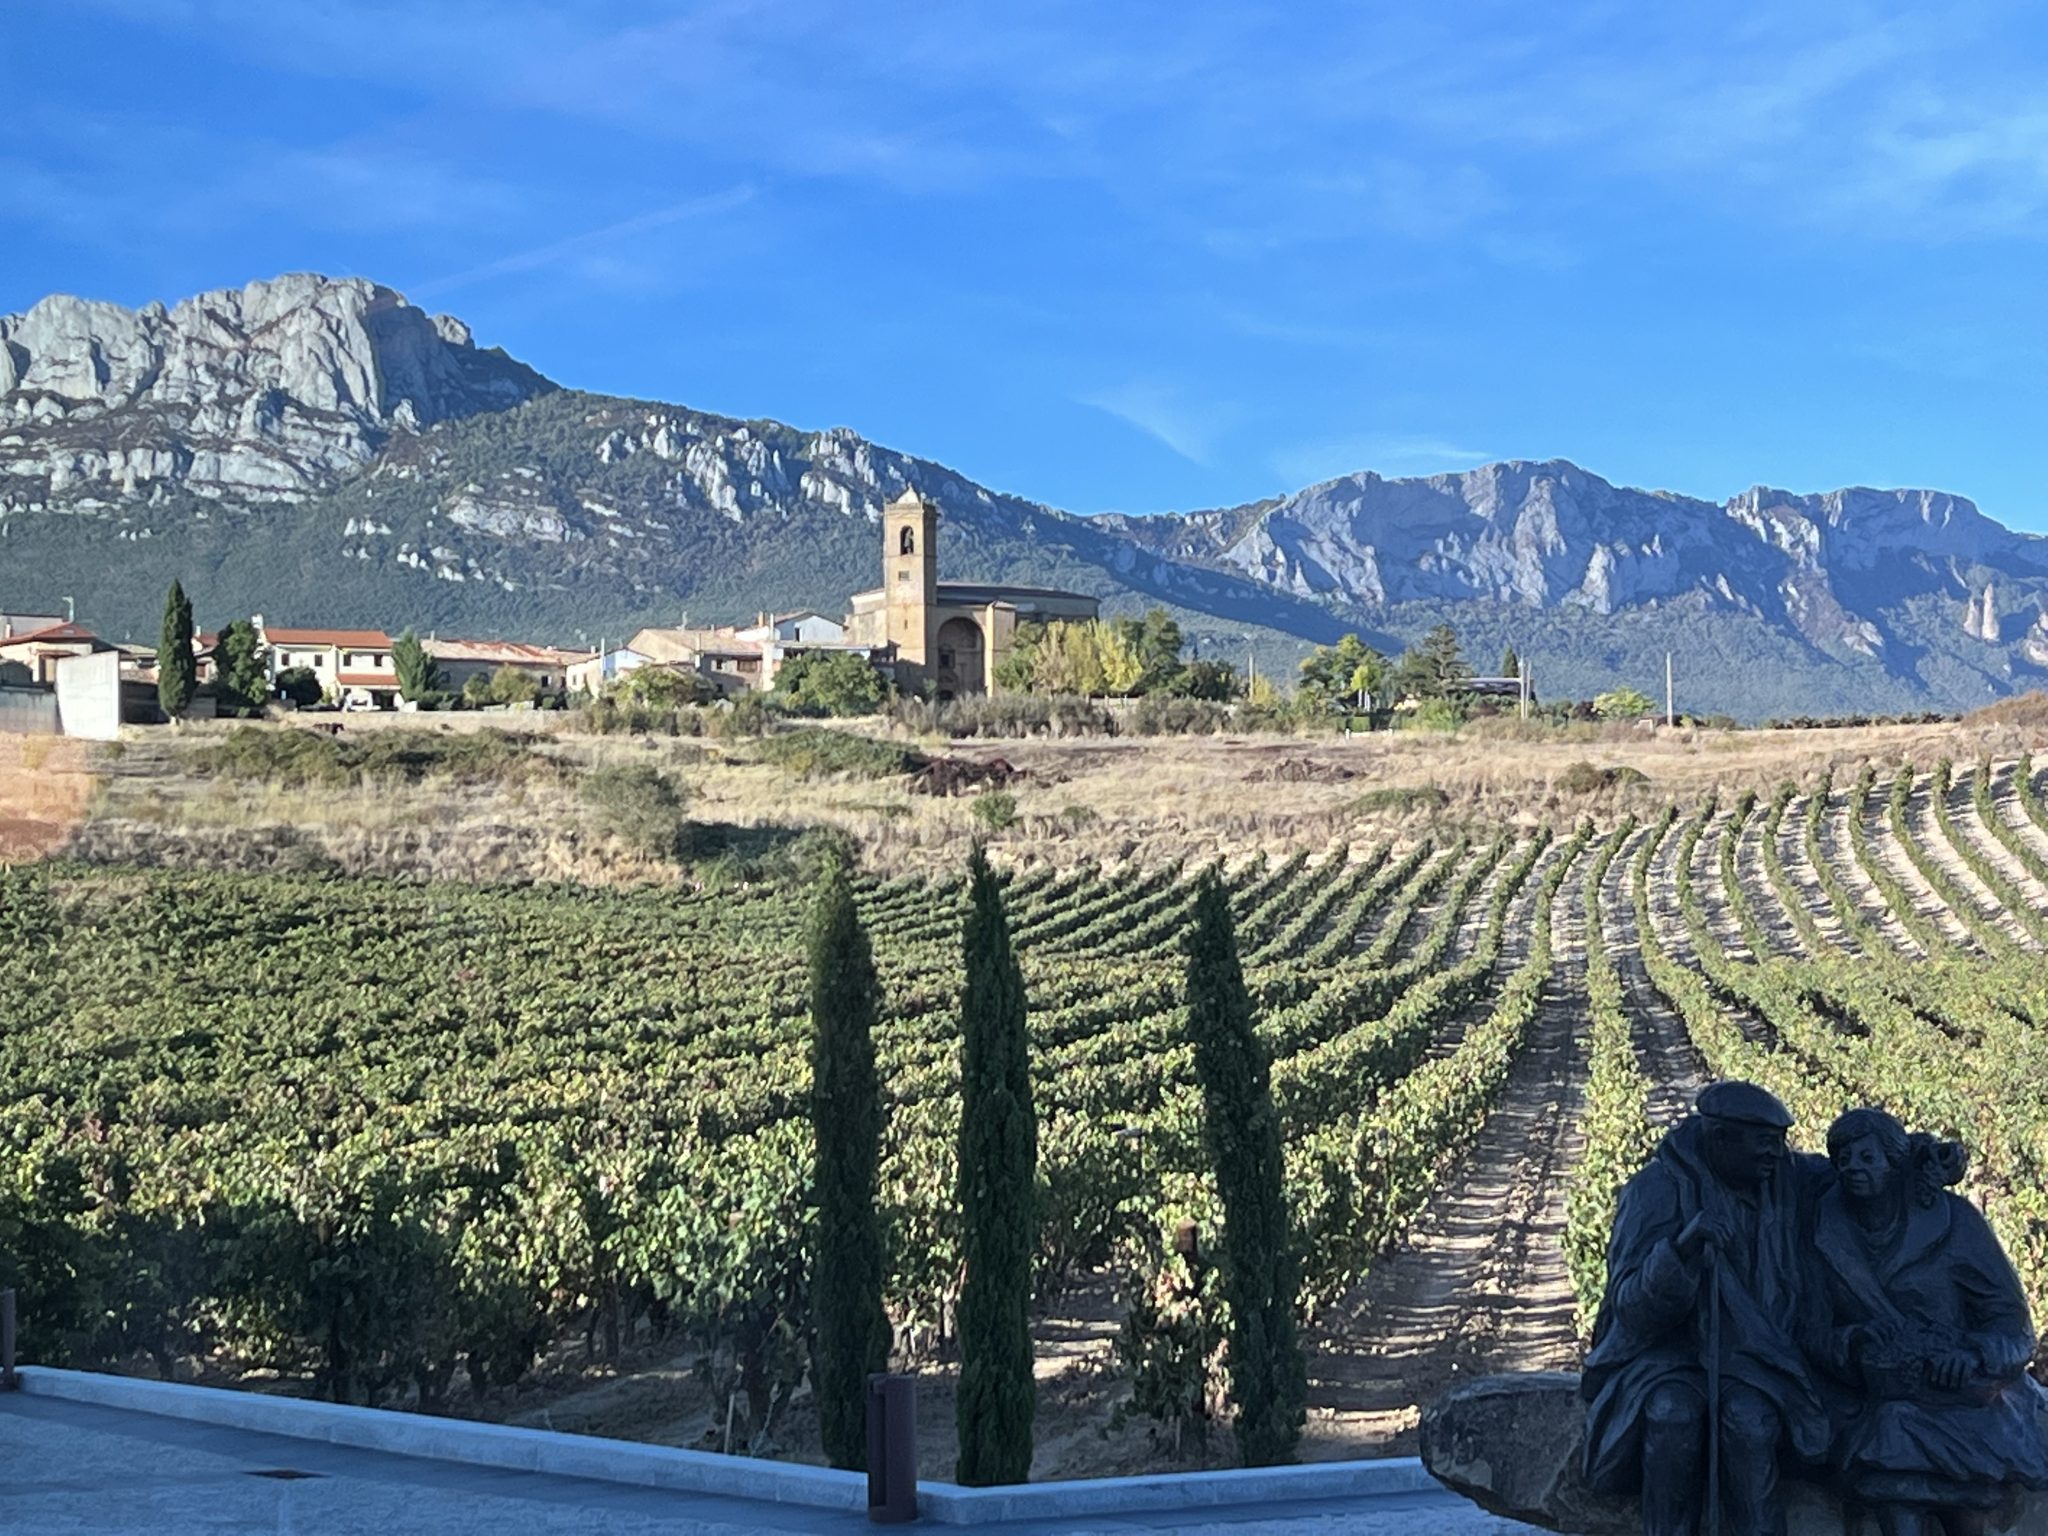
1744,1103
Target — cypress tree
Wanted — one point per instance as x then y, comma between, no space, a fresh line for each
177,669
419,675
998,1198
1261,1272
1510,663
846,1114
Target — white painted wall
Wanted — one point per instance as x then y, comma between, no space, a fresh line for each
89,696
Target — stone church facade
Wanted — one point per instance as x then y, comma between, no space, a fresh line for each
948,636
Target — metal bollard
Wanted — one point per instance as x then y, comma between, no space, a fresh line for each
892,1449
7,1381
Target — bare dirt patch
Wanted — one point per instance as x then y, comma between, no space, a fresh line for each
47,785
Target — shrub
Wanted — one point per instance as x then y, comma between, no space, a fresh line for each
639,804
1623,704
1583,778
1398,798
300,685
1005,715
746,716
816,751
1162,715
1435,715
995,809
291,756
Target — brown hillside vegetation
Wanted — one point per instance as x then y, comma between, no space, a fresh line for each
519,811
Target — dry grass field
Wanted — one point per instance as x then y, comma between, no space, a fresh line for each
1107,801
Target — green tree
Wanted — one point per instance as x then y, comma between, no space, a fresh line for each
1156,641
419,675
663,687
1241,1130
512,685
1510,663
1068,660
1017,672
177,668
240,677
830,683
1350,672
998,1197
1434,667
1205,679
301,685
846,1117
1120,658
1623,704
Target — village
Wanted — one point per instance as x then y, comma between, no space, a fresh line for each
919,634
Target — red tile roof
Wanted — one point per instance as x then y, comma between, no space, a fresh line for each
514,651
354,639
56,632
366,679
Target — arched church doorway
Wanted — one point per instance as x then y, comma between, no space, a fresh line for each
961,668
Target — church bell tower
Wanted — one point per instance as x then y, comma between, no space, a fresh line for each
910,575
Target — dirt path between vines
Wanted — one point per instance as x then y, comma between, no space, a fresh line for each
1838,849
1480,1285
1927,901
1664,1050
1986,911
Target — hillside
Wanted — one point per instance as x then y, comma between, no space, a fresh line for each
322,450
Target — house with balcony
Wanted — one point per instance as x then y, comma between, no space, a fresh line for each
354,666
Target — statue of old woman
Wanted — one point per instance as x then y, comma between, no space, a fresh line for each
1921,1332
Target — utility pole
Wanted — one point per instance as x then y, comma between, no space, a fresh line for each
1670,711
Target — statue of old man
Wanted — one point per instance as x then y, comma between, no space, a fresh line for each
1695,1384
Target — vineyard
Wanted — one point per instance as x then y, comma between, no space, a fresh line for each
407,1143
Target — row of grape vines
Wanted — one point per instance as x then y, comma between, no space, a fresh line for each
1877,940
396,1140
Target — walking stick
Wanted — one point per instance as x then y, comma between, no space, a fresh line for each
1713,1522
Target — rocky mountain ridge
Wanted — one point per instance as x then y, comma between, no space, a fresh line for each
271,391
322,448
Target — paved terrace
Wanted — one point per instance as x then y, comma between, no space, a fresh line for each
69,1466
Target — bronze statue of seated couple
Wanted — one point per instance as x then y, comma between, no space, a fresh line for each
1848,1320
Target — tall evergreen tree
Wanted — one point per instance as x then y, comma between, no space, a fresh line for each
998,1197
846,1114
177,669
419,675
1510,663
1435,666
239,672
1261,1272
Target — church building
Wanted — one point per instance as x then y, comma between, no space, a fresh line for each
949,636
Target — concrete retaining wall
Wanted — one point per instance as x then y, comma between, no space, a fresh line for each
656,1466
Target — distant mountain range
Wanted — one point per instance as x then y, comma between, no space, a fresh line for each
323,452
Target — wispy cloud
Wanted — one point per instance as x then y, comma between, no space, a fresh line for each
1388,454
1164,413
592,249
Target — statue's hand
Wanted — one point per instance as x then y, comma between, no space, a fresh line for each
1705,1233
1951,1369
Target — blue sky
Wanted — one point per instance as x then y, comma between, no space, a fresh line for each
1126,256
